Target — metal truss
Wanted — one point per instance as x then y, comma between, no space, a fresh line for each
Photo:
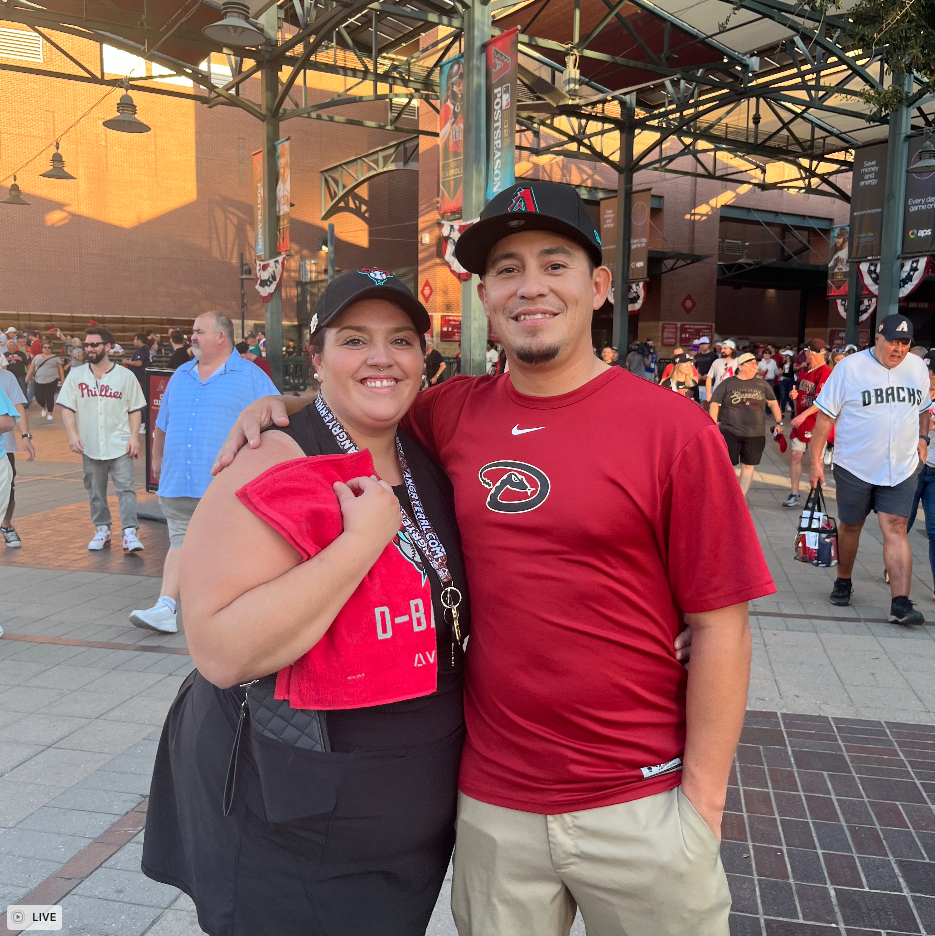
796,102
340,182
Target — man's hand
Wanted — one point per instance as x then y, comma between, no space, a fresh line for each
683,647
74,443
923,451
156,468
133,446
30,449
793,394
798,420
265,412
816,473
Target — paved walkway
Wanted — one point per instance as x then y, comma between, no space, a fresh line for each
829,830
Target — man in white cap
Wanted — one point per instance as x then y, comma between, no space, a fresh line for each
725,366
705,357
879,405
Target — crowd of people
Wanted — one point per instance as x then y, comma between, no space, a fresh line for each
338,573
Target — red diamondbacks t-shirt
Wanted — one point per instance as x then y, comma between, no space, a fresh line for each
579,519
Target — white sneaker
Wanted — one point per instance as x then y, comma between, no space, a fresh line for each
44,414
158,618
131,543
101,538
49,417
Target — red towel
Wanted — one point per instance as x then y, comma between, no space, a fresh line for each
381,646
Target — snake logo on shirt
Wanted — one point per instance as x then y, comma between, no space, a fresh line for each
515,487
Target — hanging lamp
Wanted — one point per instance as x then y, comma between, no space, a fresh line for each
58,167
235,29
14,197
126,120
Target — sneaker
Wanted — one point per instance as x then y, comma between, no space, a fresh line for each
841,593
43,414
49,417
902,612
101,538
131,543
827,456
158,618
793,500
11,538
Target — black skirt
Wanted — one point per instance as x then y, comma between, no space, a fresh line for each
373,865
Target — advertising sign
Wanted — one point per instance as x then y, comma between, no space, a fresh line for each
450,136
837,264
694,332
501,55
670,332
868,189
283,187
450,328
157,380
919,224
258,245
640,205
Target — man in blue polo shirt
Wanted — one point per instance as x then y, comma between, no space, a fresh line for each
200,405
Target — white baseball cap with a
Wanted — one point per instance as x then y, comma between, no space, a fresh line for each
729,343
704,340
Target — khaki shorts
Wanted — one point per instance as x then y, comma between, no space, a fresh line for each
798,445
650,867
178,513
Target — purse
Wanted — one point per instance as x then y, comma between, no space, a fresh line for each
272,719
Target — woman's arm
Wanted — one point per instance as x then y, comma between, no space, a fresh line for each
31,371
251,607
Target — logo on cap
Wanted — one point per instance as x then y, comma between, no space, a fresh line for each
902,326
378,276
501,61
523,200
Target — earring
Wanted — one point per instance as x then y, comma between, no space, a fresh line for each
315,375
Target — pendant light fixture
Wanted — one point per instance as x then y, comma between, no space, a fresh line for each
126,120
924,162
58,167
14,197
235,29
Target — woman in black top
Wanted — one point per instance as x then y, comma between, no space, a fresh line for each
351,836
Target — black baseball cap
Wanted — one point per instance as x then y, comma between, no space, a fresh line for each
372,283
894,327
528,206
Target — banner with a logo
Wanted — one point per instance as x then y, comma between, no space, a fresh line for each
919,223
157,379
268,276
838,266
640,207
283,187
501,53
868,190
450,136
911,274
259,248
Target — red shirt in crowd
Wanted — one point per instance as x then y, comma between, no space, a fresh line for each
263,364
581,548
36,347
809,387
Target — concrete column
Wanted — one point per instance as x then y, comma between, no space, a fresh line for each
474,106
273,309
894,205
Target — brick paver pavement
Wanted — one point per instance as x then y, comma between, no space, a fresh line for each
829,826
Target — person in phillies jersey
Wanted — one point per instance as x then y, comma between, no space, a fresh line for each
595,768
811,380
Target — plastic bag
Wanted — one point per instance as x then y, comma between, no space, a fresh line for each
816,539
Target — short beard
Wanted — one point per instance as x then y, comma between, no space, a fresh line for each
537,355
196,351
96,358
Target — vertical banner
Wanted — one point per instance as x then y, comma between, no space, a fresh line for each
608,213
868,191
283,187
919,226
838,266
156,382
450,136
258,245
640,207
501,54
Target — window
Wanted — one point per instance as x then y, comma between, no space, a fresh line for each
20,44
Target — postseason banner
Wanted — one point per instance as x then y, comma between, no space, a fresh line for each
283,190
868,188
451,136
501,54
258,245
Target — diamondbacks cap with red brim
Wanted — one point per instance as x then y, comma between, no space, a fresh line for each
353,286
528,206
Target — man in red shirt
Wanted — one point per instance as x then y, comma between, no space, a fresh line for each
811,379
595,768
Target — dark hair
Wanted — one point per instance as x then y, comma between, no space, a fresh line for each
241,347
176,337
140,336
102,333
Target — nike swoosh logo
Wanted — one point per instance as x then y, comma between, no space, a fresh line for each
518,431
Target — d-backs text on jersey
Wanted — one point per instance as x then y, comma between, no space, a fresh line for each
881,396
